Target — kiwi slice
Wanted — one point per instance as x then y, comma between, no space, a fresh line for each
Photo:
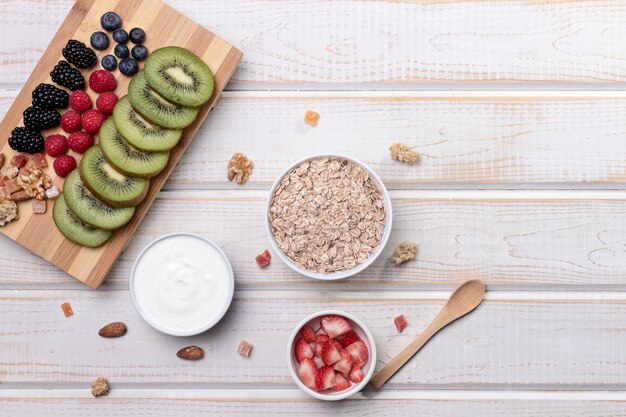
74,228
155,108
126,159
91,210
109,185
139,132
180,76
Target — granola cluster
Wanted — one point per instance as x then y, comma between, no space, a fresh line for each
405,251
402,153
239,168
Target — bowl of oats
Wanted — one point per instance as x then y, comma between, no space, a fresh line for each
328,217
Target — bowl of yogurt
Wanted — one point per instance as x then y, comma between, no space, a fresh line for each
182,284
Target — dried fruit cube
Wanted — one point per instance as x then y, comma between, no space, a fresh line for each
244,348
1,160
13,185
400,323
4,194
20,196
67,309
312,117
39,160
20,160
52,192
263,259
39,206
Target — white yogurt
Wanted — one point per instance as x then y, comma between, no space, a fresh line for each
182,284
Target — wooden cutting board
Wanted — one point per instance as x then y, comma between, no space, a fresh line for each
164,26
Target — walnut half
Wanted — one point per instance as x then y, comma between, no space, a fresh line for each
239,168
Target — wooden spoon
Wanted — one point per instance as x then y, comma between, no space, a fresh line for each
463,300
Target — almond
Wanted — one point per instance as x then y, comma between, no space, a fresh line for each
190,353
115,329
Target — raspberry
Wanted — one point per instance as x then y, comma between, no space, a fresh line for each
56,145
80,101
80,141
70,121
102,81
63,165
92,120
106,102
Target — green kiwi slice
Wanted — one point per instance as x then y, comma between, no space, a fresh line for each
126,159
155,108
90,209
74,228
180,76
107,184
139,132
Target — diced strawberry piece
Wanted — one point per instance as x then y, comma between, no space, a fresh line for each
325,378
307,334
318,348
330,354
359,353
266,254
318,361
335,325
307,372
341,382
261,261
349,338
303,350
356,375
320,332
400,323
345,363
336,344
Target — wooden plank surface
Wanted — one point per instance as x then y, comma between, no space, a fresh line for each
542,240
509,341
473,140
38,233
266,403
334,42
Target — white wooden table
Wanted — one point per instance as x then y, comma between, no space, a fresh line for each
519,111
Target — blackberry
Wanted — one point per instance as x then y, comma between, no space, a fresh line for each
47,95
27,140
68,77
79,54
40,118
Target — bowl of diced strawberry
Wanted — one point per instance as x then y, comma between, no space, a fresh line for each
331,355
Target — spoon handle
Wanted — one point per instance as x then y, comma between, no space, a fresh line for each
407,353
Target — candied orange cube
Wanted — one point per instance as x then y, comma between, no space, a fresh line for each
312,117
67,309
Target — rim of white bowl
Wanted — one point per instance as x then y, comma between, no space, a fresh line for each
371,361
341,274
215,319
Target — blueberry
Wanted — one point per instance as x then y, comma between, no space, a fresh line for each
120,36
109,63
110,21
99,40
137,35
121,50
139,52
128,66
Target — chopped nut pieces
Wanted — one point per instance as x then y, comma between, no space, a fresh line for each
190,353
100,387
244,348
34,182
67,309
39,206
327,215
20,196
9,172
8,212
52,192
239,168
401,152
115,329
405,251
400,323
311,117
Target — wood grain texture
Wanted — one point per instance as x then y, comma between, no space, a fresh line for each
473,142
265,403
506,241
505,342
38,233
358,41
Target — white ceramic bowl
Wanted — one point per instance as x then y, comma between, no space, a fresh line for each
368,368
341,274
211,321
